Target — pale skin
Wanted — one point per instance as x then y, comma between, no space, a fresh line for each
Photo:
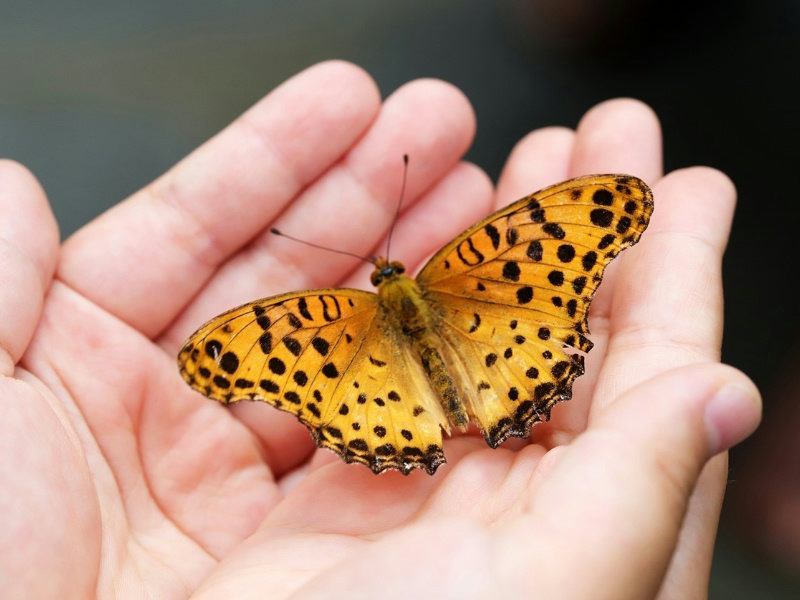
120,481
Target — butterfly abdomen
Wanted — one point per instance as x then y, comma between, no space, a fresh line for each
445,387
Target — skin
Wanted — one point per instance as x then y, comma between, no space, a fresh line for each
120,481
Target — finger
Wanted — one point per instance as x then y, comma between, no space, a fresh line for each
28,254
540,159
618,136
688,573
351,207
668,309
145,258
629,479
668,312
577,511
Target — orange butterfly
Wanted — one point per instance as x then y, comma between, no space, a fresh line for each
484,333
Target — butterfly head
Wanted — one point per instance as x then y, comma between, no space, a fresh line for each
386,271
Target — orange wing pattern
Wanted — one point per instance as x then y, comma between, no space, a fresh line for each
506,304
513,295
331,358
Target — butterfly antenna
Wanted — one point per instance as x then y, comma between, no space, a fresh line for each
275,231
399,204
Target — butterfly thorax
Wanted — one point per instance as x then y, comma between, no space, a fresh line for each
402,299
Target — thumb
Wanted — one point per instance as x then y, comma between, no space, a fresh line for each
616,498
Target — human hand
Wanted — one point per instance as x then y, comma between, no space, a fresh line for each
125,482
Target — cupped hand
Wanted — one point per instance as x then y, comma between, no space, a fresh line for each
120,481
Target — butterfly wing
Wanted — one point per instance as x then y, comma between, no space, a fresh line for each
513,293
332,358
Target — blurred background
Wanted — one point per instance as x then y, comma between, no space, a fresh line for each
99,98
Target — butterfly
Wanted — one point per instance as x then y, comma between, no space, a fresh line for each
492,330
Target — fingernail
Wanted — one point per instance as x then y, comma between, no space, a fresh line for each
731,416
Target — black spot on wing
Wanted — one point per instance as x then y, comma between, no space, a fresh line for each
578,284
535,250
213,348
511,271
565,253
476,322
468,254
292,345
320,345
556,277
555,230
589,260
358,444
262,319
229,362
606,241
511,236
525,294
302,306
269,386
330,371
331,311
572,307
603,197
292,397
265,341
493,234
601,217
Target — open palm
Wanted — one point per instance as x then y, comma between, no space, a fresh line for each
120,481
